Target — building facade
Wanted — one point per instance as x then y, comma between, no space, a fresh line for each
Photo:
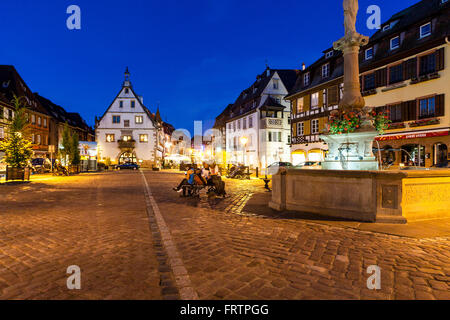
405,70
257,125
317,92
128,131
37,130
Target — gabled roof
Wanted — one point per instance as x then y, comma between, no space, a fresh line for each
414,14
271,103
11,83
315,72
146,110
243,104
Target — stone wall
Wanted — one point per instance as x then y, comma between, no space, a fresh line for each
372,196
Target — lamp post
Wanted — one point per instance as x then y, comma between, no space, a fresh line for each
244,141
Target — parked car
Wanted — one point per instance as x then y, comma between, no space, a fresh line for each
41,165
274,167
312,165
123,166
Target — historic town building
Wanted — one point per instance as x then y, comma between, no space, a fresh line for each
128,131
257,125
405,70
317,92
60,117
38,118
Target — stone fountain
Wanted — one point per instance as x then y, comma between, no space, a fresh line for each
352,151
351,186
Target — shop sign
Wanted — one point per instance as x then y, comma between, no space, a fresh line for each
414,135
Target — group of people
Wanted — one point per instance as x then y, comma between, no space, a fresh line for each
205,176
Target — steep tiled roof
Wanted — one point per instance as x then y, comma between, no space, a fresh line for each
11,83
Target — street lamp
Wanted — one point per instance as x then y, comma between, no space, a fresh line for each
244,141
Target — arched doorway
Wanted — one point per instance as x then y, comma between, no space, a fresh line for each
298,157
440,151
127,157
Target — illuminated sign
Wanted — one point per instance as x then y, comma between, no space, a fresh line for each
413,135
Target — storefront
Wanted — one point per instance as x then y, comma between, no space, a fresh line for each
88,155
298,157
420,149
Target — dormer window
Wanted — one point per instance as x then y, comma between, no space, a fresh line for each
255,89
326,70
395,43
369,53
329,54
386,27
425,30
306,78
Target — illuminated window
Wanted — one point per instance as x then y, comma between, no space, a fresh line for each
110,138
143,138
139,119
300,104
315,100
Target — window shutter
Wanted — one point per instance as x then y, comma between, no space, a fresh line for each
294,106
322,122
333,95
412,110
440,59
404,107
307,103
381,77
307,128
440,105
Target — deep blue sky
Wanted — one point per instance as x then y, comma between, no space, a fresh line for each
193,57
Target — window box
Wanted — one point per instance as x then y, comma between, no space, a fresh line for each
369,92
424,122
396,125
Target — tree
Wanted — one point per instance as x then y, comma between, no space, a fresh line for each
16,146
75,158
66,150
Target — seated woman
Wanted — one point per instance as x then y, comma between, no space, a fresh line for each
189,180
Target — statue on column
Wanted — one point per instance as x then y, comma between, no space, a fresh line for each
350,12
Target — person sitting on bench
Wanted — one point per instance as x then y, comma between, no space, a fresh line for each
189,180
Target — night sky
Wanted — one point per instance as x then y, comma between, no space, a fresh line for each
192,57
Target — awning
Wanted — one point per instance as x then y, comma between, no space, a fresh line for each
298,152
414,135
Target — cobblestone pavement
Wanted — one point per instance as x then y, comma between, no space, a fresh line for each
100,223
233,255
95,221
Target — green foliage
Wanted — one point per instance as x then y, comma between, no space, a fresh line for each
16,146
381,120
344,123
17,150
75,158
70,154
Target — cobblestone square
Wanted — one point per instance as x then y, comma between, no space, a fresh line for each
138,239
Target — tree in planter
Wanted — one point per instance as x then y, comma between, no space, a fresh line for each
16,146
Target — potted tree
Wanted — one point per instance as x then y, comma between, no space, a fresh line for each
16,146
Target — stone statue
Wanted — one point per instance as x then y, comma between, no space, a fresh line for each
350,12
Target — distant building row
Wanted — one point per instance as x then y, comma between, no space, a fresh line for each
46,119
404,69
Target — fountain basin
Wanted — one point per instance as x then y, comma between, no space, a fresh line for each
370,196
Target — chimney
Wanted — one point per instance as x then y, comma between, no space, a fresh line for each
303,66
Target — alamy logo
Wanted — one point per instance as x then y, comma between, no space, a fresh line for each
73,22
74,280
374,281
374,21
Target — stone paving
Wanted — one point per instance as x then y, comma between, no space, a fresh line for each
95,221
232,255
99,222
